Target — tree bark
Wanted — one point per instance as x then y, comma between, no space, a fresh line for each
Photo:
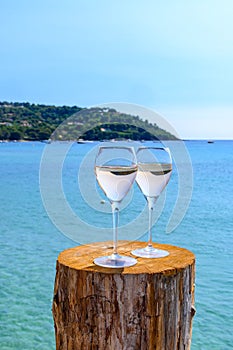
146,306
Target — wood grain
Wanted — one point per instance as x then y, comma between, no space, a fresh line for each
145,306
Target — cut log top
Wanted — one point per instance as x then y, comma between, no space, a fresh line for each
146,306
81,258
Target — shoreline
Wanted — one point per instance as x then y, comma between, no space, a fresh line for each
212,141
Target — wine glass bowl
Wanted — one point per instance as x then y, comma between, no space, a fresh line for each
153,175
115,169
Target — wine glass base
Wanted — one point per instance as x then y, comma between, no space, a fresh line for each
150,253
115,261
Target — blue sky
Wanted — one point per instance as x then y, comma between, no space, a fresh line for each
174,57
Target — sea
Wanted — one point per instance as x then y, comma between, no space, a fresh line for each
31,236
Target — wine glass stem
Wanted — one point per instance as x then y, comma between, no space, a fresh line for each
151,202
115,220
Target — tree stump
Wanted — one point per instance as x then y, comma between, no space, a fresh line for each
146,306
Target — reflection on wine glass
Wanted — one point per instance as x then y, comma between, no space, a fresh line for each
115,169
154,172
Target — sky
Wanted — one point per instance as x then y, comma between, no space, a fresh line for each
174,57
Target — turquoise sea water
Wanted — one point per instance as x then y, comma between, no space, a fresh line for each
30,244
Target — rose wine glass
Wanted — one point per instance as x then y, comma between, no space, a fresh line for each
116,170
154,172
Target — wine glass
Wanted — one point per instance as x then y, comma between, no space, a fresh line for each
116,170
154,172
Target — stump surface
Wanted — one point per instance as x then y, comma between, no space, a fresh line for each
145,306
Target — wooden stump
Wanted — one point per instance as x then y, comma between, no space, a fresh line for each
146,306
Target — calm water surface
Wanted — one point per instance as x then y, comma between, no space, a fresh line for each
30,243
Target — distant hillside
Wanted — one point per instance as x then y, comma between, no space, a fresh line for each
36,122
